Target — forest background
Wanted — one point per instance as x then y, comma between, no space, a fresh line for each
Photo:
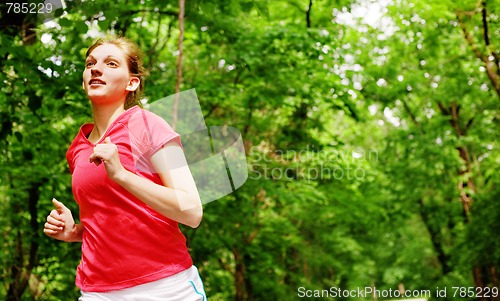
370,130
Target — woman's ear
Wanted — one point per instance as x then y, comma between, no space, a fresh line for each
133,84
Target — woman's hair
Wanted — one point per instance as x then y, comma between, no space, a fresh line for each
134,55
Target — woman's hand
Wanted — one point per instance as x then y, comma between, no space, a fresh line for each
178,198
61,225
107,153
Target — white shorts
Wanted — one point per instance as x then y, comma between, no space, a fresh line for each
183,286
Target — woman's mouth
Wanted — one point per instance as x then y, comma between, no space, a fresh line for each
96,82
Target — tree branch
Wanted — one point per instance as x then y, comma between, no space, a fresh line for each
492,67
308,14
443,109
178,65
154,52
469,124
409,111
153,48
484,17
455,119
486,36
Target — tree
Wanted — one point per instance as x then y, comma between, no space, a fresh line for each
371,148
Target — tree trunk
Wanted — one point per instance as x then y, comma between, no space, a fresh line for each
21,270
178,66
239,276
435,239
484,276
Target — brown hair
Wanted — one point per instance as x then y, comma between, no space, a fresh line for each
134,55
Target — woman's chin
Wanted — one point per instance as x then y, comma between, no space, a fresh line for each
98,99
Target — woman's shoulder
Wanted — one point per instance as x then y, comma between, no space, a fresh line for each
144,114
151,118
150,131
142,121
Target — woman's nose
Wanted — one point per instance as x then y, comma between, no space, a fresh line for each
95,71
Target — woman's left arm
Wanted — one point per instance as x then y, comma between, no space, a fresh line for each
178,199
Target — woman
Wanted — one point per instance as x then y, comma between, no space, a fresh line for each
133,186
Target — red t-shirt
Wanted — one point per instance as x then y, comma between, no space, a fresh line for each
125,242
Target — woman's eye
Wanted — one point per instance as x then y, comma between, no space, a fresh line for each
112,64
90,64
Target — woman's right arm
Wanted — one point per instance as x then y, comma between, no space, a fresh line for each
61,225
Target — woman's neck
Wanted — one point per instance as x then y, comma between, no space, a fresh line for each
104,115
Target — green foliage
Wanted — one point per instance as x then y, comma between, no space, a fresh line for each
362,141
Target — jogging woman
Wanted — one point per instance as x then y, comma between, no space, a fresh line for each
133,186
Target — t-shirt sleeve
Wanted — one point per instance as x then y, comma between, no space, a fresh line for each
161,134
152,131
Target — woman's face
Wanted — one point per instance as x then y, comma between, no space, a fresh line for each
106,77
